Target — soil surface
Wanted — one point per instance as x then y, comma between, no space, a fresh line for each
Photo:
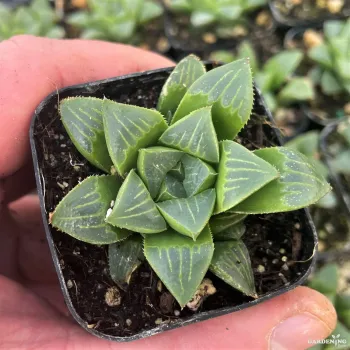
258,27
296,11
274,241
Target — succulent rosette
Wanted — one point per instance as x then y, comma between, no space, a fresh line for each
178,188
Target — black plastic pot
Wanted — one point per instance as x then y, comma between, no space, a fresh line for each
343,194
118,89
288,21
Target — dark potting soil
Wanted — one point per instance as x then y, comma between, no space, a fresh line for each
275,241
259,30
309,10
325,109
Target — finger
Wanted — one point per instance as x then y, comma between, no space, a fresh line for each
33,254
33,67
286,322
18,184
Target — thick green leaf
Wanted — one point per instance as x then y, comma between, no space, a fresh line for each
171,188
222,56
153,163
124,258
194,134
82,118
186,72
178,171
134,208
342,305
321,55
128,129
297,89
233,232
180,262
201,18
281,66
188,216
329,201
245,49
307,144
241,173
223,221
298,186
82,212
150,10
199,176
339,339
341,163
330,84
231,263
229,89
332,28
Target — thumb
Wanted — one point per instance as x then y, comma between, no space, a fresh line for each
287,322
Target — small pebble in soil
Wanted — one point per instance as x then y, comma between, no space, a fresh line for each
128,322
113,297
275,261
347,108
159,286
297,226
285,267
158,321
260,269
69,284
335,6
209,38
177,313
282,251
205,289
284,258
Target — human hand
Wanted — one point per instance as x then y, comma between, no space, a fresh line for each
32,311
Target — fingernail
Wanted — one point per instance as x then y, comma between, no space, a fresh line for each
298,332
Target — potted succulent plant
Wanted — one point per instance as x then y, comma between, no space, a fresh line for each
137,22
329,214
203,26
298,13
145,208
282,91
329,56
38,18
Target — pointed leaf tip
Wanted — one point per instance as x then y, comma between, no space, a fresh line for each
231,263
134,208
194,134
299,184
82,119
241,173
186,72
180,262
82,212
153,163
229,90
189,216
128,129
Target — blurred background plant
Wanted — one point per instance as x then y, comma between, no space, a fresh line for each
118,20
38,18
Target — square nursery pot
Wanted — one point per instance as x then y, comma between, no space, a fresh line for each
146,309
